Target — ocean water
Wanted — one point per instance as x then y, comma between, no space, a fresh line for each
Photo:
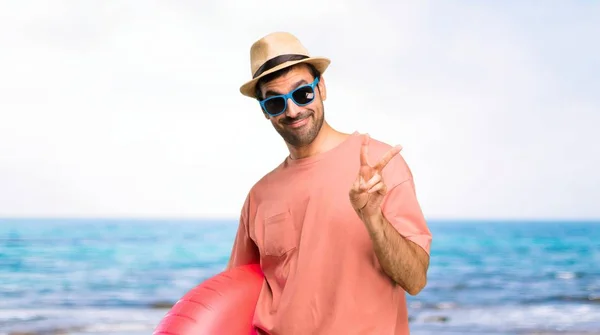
117,276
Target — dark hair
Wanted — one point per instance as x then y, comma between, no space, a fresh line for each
272,76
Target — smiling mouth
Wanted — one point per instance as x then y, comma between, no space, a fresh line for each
301,119
298,123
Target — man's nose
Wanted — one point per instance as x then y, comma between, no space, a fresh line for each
292,110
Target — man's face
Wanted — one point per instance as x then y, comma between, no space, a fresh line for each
298,125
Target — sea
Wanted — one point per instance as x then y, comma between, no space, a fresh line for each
120,276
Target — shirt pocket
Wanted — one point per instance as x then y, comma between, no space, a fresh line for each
279,234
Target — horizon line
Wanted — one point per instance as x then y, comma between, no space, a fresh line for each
234,218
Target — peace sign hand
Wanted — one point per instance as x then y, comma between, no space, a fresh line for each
367,192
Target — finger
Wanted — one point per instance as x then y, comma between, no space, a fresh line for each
379,188
364,150
372,182
357,197
355,186
388,157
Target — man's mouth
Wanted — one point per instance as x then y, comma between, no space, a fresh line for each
298,122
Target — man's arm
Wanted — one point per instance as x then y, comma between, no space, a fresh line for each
396,225
244,250
403,260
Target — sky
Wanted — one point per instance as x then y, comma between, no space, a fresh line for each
132,108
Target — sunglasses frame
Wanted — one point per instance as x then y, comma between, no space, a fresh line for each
287,96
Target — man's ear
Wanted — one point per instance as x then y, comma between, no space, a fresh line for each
322,88
264,113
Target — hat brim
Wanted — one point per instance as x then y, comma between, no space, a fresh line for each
320,63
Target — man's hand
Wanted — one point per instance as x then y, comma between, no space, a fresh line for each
369,189
404,261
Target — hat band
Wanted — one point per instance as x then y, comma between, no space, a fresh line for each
273,62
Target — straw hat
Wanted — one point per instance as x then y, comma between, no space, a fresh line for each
274,52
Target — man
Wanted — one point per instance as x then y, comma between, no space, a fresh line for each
336,226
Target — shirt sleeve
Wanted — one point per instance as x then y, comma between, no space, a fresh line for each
244,250
401,207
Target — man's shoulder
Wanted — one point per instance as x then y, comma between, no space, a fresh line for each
269,179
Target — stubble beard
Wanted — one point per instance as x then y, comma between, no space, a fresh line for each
302,137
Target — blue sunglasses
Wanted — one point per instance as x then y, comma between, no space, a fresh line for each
301,96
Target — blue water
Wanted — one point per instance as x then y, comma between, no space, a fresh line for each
106,276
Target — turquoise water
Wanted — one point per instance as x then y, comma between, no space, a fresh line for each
108,276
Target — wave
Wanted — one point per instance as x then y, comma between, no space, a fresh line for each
594,299
65,321
507,320
161,305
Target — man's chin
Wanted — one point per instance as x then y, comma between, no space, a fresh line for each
295,137
298,136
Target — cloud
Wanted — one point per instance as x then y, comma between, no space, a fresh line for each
121,109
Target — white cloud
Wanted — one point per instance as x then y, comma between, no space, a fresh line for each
121,108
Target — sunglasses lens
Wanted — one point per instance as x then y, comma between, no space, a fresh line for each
301,96
275,105
304,95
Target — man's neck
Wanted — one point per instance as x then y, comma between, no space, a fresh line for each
327,139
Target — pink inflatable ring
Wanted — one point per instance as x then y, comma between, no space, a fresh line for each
223,304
